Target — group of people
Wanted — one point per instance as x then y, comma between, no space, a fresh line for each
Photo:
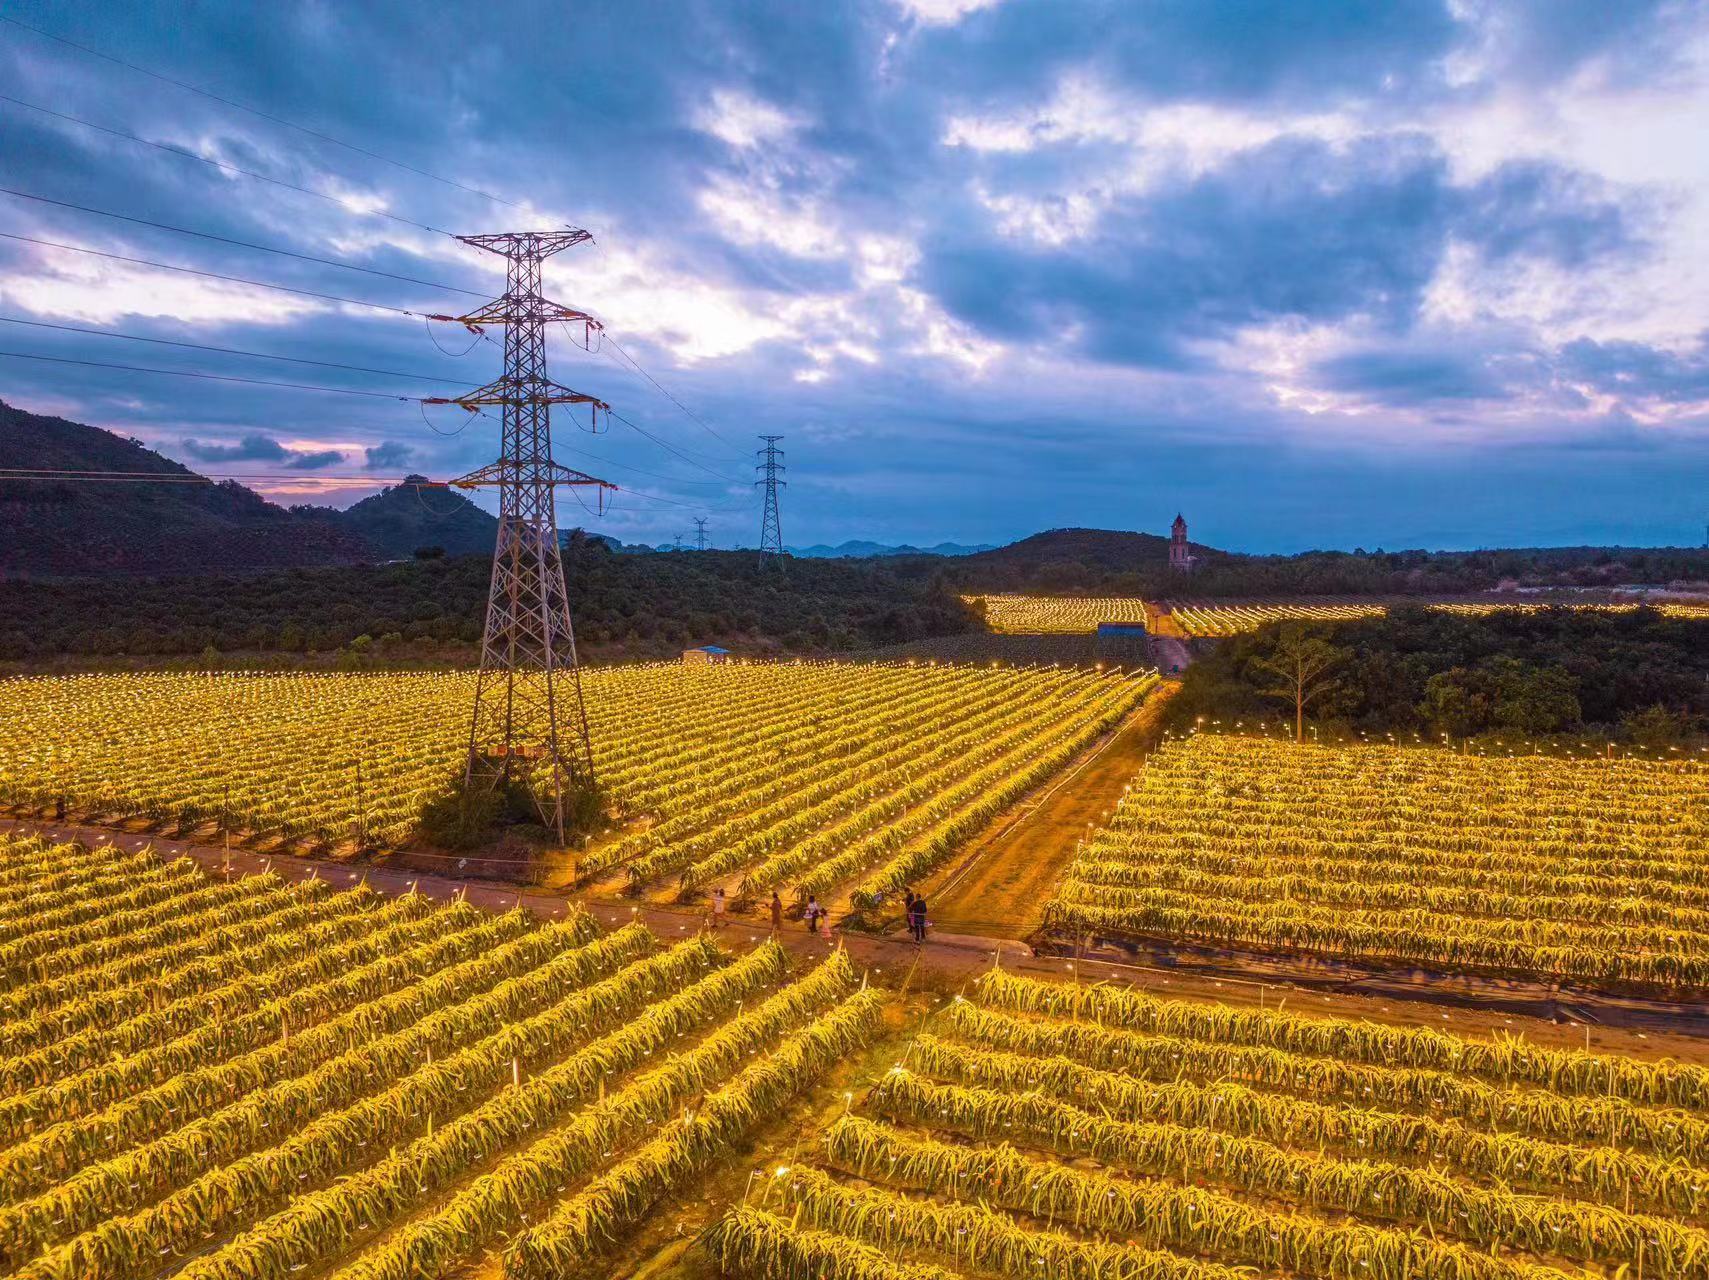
914,912
719,913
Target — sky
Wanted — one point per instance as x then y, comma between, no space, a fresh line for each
1315,274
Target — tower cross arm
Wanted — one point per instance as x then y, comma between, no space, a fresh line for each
515,391
511,308
505,472
541,244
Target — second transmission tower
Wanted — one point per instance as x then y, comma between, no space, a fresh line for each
771,529
700,533
529,723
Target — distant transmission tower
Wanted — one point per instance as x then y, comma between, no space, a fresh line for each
771,530
700,533
529,722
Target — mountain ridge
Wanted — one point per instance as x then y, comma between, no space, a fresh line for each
163,519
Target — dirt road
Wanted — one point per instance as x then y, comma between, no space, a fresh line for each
999,886
943,965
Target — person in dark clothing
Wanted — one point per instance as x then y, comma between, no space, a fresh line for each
776,914
917,919
813,913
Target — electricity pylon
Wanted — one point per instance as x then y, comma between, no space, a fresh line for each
529,722
700,533
771,530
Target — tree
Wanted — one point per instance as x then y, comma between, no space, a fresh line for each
1655,726
1453,705
1534,700
1302,663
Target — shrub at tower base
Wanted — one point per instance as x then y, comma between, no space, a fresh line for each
461,817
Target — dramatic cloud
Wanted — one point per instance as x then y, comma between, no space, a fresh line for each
255,448
1643,372
260,448
1339,272
319,460
389,456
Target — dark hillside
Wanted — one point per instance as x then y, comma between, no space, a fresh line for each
1065,562
1109,562
399,520
58,528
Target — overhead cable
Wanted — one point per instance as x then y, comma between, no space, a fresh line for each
213,275
223,165
241,244
229,351
256,111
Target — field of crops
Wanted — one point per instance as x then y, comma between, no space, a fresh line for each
1057,615
251,1080
801,776
1041,1129
1232,619
1587,869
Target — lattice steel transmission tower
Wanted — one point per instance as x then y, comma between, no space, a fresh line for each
700,533
771,531
529,722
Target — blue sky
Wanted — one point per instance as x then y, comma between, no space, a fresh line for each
1317,274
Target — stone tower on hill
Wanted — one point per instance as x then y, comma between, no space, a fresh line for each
1180,552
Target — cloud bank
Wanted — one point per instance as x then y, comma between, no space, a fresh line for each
1329,274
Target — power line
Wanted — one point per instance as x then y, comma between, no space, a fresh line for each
229,351
223,165
210,377
676,502
640,471
197,477
606,462
295,477
635,364
213,275
255,111
670,448
241,244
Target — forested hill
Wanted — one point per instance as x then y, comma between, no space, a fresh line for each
1112,562
175,524
401,520
626,606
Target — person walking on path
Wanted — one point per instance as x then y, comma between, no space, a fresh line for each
719,919
776,914
814,911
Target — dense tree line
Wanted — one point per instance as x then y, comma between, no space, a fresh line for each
1636,675
625,606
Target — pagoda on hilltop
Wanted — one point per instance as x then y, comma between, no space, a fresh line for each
1181,558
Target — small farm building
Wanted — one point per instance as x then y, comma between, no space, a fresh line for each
706,653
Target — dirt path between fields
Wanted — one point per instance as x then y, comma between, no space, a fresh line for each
999,886
948,961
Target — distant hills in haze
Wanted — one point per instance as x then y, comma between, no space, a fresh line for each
182,523
164,520
860,550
